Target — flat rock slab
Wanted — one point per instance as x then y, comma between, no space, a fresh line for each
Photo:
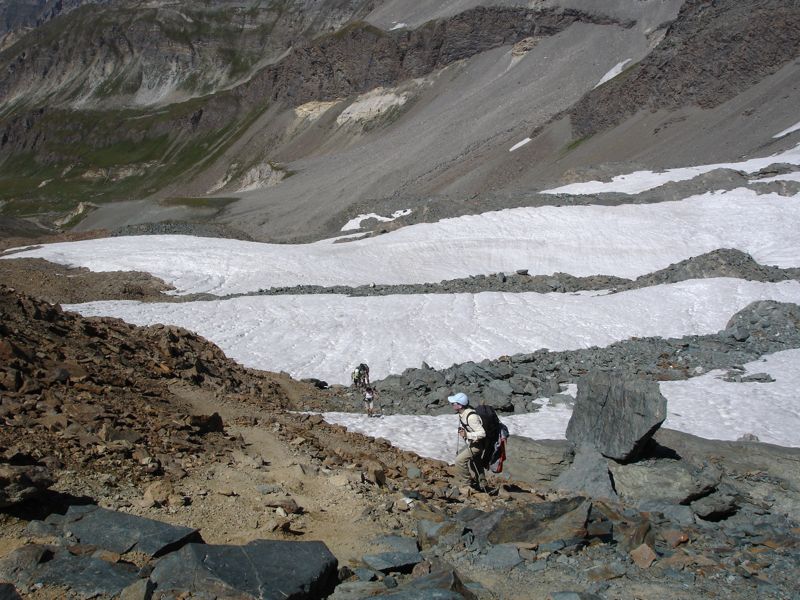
542,521
386,562
670,481
86,576
536,461
263,569
397,543
121,532
616,414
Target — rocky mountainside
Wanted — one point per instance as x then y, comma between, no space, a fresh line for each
241,115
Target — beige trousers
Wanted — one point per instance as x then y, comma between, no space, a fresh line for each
470,467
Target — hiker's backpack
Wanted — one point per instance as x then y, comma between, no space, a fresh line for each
496,436
491,423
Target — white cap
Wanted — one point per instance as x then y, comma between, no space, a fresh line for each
459,398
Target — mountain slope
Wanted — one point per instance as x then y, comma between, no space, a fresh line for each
312,128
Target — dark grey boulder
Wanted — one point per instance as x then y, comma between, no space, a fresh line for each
715,507
397,562
121,532
588,475
264,569
616,414
86,576
9,592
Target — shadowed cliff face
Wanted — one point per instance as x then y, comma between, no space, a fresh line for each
361,58
134,54
19,16
713,51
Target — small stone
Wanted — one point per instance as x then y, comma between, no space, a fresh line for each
674,538
643,556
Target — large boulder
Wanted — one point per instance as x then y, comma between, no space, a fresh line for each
616,414
264,569
120,532
86,576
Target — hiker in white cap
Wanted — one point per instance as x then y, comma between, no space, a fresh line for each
468,461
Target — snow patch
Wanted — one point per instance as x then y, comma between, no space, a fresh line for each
356,223
398,26
615,70
628,240
317,335
519,144
791,129
641,181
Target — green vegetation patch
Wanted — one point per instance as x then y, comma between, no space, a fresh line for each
574,144
217,203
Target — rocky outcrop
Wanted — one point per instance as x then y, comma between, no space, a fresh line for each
616,414
360,57
711,52
113,53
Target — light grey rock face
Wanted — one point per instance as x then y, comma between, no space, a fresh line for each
587,475
536,461
615,414
668,481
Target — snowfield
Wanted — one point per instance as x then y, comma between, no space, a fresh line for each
641,181
626,241
324,336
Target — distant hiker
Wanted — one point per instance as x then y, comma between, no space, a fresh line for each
469,461
369,397
361,376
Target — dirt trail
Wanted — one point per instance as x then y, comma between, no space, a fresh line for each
233,508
